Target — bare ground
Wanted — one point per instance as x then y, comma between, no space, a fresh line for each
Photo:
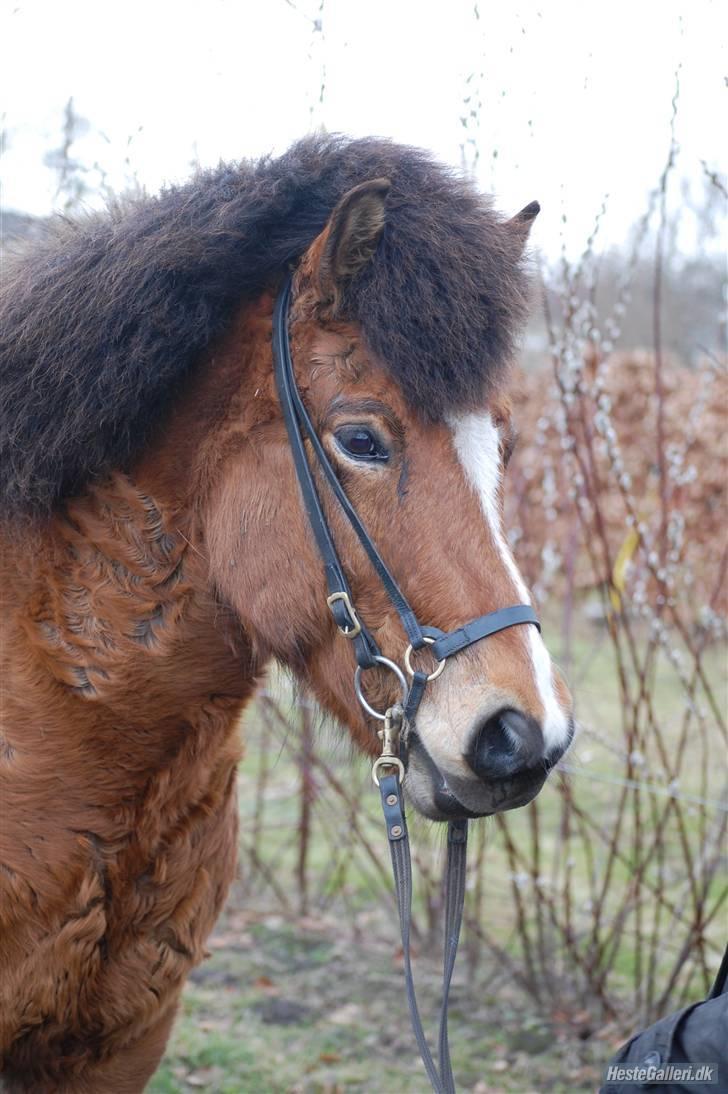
317,1006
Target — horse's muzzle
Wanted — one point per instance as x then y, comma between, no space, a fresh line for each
508,763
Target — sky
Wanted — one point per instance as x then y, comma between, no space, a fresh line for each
573,98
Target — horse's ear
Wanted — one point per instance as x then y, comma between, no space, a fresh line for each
351,236
520,224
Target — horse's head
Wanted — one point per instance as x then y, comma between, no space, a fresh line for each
427,483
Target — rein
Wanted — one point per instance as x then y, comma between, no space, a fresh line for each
389,768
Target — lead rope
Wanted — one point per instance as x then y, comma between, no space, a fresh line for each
390,790
457,846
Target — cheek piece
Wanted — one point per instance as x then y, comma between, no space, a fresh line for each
390,767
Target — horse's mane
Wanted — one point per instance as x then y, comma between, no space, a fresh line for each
102,318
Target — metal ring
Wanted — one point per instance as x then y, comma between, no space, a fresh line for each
408,662
387,761
392,668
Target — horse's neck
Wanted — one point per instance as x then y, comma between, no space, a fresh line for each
117,656
116,619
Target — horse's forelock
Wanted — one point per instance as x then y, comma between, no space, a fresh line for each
104,318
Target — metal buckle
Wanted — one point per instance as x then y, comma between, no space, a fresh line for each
408,660
387,664
348,632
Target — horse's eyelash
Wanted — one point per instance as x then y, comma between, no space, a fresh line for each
509,446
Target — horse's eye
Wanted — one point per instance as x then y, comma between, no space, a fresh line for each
361,443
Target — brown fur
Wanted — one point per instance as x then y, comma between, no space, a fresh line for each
138,619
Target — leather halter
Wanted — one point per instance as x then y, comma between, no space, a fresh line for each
368,655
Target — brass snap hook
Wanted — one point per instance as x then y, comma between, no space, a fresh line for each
389,736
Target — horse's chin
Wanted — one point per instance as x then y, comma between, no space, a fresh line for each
446,798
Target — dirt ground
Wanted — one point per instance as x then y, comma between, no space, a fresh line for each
312,1006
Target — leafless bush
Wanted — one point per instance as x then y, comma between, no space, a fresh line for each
604,896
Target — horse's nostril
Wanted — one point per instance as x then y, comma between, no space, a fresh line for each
506,744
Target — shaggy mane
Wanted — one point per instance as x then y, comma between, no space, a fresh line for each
102,319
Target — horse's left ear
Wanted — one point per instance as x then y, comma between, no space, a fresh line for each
351,236
520,224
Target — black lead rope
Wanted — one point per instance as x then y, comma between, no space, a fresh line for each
393,760
390,789
457,847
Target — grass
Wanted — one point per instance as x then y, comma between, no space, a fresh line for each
253,1022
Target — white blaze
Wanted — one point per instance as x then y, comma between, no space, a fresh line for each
476,442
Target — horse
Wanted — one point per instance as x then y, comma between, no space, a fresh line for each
157,555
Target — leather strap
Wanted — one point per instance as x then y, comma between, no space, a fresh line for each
483,627
414,697
455,873
441,1077
294,409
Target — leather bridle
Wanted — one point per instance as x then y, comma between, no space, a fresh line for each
389,768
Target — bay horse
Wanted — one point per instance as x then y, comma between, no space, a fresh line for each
157,556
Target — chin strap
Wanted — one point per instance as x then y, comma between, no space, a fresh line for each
390,790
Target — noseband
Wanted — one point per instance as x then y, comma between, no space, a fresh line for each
398,718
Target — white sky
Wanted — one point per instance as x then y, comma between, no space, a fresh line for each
576,95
